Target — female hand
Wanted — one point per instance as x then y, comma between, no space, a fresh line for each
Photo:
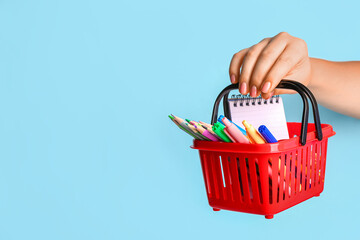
261,67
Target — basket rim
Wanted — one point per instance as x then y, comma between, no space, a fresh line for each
281,146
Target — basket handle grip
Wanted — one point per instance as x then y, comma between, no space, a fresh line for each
303,91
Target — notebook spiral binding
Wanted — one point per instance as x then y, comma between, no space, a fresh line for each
246,100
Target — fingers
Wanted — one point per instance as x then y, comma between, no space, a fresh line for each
283,91
248,66
267,95
235,64
277,92
265,62
283,65
260,68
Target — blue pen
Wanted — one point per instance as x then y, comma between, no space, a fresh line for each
241,129
264,131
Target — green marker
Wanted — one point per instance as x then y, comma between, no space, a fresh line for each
218,128
191,134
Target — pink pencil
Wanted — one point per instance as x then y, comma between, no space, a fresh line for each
206,133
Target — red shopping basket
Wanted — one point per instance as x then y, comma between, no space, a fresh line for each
266,178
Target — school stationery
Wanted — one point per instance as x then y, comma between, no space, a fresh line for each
196,132
206,133
241,129
229,135
209,128
266,178
201,128
253,134
184,124
190,133
205,124
218,128
197,125
264,131
234,131
258,111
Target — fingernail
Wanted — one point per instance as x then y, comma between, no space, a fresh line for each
232,78
266,87
253,91
243,88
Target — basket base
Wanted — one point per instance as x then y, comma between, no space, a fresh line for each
270,216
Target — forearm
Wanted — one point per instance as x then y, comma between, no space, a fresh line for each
336,85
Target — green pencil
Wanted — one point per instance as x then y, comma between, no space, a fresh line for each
191,134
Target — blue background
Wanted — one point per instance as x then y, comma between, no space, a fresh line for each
86,148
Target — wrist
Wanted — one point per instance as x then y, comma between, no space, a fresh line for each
316,71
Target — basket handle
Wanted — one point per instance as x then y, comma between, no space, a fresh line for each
314,104
303,91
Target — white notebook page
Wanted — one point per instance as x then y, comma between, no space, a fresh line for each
258,111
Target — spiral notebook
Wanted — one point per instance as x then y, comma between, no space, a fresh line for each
258,111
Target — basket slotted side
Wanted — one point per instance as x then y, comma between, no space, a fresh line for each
264,183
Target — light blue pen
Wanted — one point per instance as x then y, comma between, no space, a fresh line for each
221,117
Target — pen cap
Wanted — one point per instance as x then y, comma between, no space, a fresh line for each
303,91
226,122
220,119
253,134
247,125
267,135
218,128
